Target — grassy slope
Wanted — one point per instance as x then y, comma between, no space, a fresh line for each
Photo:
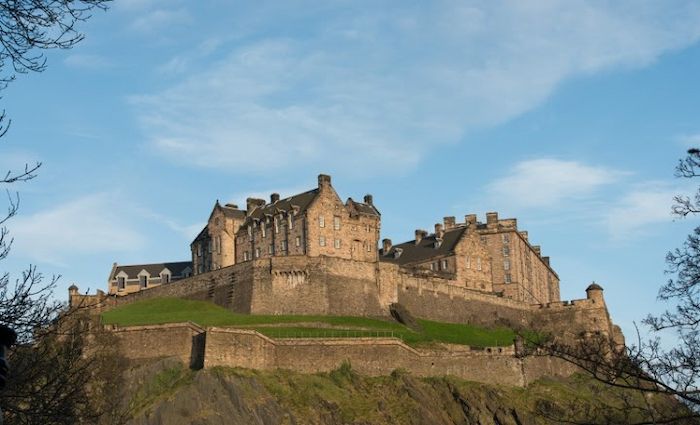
172,310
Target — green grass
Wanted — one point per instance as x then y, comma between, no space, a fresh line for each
173,310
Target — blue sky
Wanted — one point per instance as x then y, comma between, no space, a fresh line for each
567,115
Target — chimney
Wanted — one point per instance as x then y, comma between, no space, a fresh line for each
252,203
386,246
491,219
420,234
234,206
545,260
537,250
368,199
324,180
439,233
470,219
523,234
449,222
274,198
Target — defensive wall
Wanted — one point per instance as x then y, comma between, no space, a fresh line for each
370,356
334,286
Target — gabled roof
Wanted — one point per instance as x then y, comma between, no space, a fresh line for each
425,249
362,208
302,201
202,235
132,271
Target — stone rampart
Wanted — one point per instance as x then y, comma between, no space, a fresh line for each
244,348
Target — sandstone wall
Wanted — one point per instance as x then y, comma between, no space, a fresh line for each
374,357
182,340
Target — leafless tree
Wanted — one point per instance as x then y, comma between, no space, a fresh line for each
654,380
52,363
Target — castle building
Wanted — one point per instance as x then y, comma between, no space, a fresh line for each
127,279
493,257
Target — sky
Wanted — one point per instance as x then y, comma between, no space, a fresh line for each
568,115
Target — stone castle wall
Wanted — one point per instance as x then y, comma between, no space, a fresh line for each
369,356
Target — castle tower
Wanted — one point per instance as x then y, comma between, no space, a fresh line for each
594,292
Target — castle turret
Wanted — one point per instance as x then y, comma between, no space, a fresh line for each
594,292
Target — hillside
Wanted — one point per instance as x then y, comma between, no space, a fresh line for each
166,393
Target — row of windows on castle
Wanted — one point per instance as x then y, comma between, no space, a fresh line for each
143,280
337,243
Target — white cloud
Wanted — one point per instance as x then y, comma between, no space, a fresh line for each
82,226
154,20
690,140
371,88
640,209
87,61
546,183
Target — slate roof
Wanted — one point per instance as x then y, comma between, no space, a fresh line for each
425,250
232,212
154,269
302,201
364,208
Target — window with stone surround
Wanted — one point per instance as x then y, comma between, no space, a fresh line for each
321,221
369,247
270,249
121,283
297,241
507,278
469,262
336,243
263,229
506,264
250,231
506,250
143,281
506,237
277,226
444,265
336,223
257,252
321,241
478,263
245,256
165,278
284,245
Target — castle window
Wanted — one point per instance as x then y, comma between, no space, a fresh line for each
250,231
506,264
297,241
257,252
506,237
209,246
478,263
336,223
199,250
336,243
322,241
469,262
366,227
321,221
121,283
432,266
369,247
165,278
277,226
218,244
270,249
143,281
291,221
245,256
507,278
506,250
284,245
263,229
444,265
483,239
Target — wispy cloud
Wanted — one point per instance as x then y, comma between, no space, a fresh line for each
377,86
690,140
154,20
638,211
87,61
85,225
547,182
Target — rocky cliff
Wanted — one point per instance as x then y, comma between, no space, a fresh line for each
165,392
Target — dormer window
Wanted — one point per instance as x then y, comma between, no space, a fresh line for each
143,281
121,283
397,252
438,242
165,278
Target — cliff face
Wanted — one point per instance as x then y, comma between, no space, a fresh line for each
167,393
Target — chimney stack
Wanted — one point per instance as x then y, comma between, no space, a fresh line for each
252,203
274,198
324,180
439,233
523,233
368,199
491,219
386,246
234,206
420,234
470,219
450,222
537,250
545,260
